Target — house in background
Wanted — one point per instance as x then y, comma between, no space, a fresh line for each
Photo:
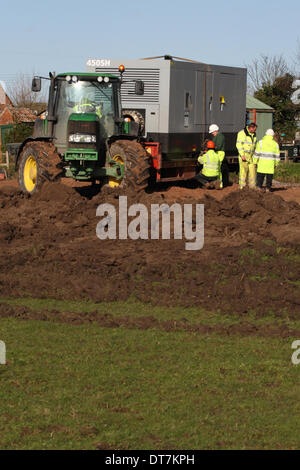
296,100
296,95
11,115
261,113
4,99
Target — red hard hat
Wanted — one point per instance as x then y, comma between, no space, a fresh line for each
210,144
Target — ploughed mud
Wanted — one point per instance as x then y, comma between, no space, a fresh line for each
250,260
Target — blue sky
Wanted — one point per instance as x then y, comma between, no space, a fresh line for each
61,35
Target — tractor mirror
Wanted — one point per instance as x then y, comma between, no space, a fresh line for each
139,87
36,84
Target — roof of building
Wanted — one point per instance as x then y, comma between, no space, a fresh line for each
20,114
254,103
4,98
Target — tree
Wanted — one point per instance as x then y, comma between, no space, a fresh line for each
265,70
19,132
21,95
278,96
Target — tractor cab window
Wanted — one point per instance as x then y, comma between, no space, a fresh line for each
88,97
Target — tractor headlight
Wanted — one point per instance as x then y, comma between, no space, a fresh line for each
84,138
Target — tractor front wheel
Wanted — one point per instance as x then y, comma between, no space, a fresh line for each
39,163
134,162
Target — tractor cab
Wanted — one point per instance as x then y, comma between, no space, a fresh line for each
83,114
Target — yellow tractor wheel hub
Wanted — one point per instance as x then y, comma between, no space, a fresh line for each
113,182
30,174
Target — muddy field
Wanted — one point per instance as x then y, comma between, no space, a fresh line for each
250,260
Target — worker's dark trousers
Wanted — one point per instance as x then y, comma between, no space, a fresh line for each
260,179
202,179
225,173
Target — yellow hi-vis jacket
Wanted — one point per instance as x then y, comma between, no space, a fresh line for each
245,143
86,107
267,155
211,163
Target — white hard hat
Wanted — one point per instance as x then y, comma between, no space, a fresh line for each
270,132
213,128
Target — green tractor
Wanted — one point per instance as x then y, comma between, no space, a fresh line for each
84,136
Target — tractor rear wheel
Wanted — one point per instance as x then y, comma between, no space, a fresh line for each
136,116
39,162
136,163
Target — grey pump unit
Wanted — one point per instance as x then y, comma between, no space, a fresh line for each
181,99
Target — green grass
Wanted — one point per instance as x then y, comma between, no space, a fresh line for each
285,172
80,387
288,172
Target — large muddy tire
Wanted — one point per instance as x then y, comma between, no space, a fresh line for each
135,116
39,162
136,163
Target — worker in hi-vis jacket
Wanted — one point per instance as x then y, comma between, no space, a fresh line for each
211,161
219,141
267,158
246,143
